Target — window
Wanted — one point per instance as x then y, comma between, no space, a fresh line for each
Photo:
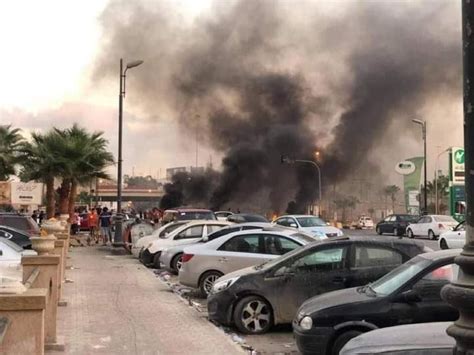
283,222
277,245
368,256
249,243
328,259
311,222
18,223
428,220
191,232
392,219
221,232
429,287
211,228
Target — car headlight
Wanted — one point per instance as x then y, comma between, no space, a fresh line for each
306,323
224,285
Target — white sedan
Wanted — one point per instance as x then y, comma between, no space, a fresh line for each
454,239
309,224
10,257
431,226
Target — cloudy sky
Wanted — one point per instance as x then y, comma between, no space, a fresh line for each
51,77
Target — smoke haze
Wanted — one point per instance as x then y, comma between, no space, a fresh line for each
258,79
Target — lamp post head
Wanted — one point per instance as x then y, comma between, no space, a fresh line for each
134,64
418,121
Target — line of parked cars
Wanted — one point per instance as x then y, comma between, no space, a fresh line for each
299,270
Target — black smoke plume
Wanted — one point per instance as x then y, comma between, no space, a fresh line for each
272,77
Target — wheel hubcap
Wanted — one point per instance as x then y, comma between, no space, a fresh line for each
209,282
255,316
179,263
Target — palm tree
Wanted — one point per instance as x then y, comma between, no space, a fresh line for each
40,162
392,190
10,142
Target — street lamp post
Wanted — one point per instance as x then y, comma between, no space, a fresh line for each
460,292
118,242
436,178
286,160
423,130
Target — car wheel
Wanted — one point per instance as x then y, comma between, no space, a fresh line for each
156,260
443,244
253,315
379,232
176,262
431,235
410,234
207,281
342,340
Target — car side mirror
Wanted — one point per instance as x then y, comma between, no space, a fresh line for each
410,296
294,225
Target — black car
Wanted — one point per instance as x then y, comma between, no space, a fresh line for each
17,236
275,290
409,294
395,224
20,221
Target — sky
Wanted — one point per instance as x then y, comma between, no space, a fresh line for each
49,51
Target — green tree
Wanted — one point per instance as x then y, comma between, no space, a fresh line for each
391,191
10,143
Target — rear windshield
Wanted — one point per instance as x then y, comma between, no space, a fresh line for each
196,215
23,223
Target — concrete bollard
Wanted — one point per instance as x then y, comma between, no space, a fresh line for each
48,278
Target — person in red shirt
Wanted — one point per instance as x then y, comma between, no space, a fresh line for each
93,221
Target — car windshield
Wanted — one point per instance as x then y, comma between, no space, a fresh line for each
445,219
311,222
397,277
196,215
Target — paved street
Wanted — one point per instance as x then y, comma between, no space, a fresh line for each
117,306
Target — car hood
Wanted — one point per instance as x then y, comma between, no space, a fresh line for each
323,229
332,299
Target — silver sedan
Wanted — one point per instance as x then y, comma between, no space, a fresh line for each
203,264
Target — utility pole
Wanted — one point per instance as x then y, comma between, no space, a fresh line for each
460,293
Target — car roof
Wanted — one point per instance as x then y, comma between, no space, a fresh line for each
192,222
441,254
287,232
187,210
299,215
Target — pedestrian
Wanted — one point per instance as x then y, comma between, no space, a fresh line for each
104,221
93,222
74,222
41,217
35,216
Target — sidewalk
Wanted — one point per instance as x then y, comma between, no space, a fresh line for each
117,306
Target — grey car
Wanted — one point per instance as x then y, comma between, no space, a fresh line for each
171,258
205,263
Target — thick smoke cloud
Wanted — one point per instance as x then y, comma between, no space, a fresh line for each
259,79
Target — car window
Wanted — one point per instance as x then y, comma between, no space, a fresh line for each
191,232
392,219
211,228
370,256
460,227
387,219
169,229
249,243
429,287
327,259
428,220
18,222
310,222
221,232
283,222
422,220
278,245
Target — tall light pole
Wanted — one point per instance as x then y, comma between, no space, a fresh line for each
436,178
423,130
118,242
287,160
460,293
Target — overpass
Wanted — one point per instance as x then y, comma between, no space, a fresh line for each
129,194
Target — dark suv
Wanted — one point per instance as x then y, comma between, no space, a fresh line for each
395,224
20,221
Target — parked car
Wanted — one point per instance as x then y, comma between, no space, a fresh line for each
246,217
395,224
190,232
419,339
453,239
222,215
11,253
203,264
408,294
20,221
431,226
161,232
280,286
365,222
309,224
17,236
181,214
171,257
135,231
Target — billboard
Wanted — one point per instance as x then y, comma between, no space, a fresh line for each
457,166
5,196
30,193
411,170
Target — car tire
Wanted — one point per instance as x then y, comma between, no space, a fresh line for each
207,280
410,233
342,340
443,244
156,260
377,229
176,262
431,235
253,315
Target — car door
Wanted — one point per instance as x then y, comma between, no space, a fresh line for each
429,307
417,227
317,270
242,251
189,235
383,225
457,238
370,262
425,226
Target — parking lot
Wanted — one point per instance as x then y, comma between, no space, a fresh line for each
280,339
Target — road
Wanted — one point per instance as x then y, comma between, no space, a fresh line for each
279,340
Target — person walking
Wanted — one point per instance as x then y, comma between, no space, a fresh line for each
105,221
93,222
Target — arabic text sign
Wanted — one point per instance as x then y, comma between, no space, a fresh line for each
30,193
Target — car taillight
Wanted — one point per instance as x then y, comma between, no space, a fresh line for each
186,257
441,226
